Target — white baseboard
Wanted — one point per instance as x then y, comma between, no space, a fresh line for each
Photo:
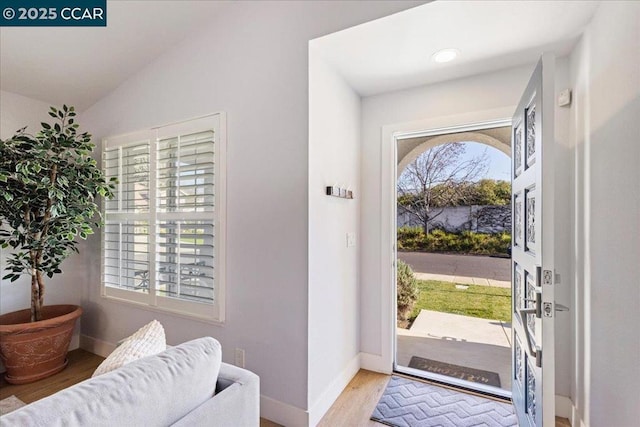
75,342
566,409
96,346
331,393
563,407
575,418
282,413
376,363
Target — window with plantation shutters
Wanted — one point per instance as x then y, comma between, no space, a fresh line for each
163,240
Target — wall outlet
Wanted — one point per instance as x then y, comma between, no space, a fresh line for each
239,358
351,240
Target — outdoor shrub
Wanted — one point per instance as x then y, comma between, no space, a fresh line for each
410,232
466,242
407,286
410,238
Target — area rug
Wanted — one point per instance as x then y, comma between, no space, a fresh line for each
409,403
455,371
9,404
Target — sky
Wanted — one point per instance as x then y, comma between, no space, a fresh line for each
499,163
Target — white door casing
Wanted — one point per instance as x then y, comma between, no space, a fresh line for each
383,361
533,373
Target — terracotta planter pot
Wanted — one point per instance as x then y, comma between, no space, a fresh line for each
32,351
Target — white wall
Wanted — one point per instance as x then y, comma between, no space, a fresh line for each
252,63
605,71
16,112
334,159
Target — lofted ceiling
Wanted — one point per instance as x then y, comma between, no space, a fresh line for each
79,66
395,52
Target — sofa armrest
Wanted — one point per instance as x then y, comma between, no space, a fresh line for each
235,404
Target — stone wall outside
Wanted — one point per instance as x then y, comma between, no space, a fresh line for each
454,219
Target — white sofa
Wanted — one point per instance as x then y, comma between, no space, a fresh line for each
186,385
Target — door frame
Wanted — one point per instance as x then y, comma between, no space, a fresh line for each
405,369
483,119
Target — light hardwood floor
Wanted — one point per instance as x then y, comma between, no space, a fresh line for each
352,408
81,366
357,401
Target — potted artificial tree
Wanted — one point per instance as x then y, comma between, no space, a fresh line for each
48,189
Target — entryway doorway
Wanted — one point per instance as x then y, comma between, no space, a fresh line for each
453,269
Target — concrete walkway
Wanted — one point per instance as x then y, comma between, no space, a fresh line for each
456,327
461,340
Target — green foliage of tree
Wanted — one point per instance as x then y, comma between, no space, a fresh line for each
489,192
483,192
48,189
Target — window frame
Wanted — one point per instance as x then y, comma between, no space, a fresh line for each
212,312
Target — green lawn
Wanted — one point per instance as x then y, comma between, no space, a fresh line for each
486,302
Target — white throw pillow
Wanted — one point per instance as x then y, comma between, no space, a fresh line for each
146,341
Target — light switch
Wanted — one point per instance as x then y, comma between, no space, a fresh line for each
564,98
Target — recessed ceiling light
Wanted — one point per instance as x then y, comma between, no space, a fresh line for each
445,55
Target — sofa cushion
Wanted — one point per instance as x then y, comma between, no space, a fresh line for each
146,341
237,402
152,391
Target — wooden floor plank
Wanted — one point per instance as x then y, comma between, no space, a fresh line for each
356,403
81,366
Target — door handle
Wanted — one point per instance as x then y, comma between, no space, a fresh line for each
538,305
560,307
537,352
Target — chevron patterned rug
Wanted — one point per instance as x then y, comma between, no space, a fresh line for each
408,403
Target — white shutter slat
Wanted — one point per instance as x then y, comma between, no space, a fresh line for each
185,267
186,172
126,254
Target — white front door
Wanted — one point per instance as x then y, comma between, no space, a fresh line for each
533,379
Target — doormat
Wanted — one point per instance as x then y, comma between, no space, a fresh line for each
9,404
455,371
409,403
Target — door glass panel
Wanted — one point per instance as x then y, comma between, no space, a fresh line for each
531,392
518,356
530,220
517,155
517,288
517,220
531,135
530,302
